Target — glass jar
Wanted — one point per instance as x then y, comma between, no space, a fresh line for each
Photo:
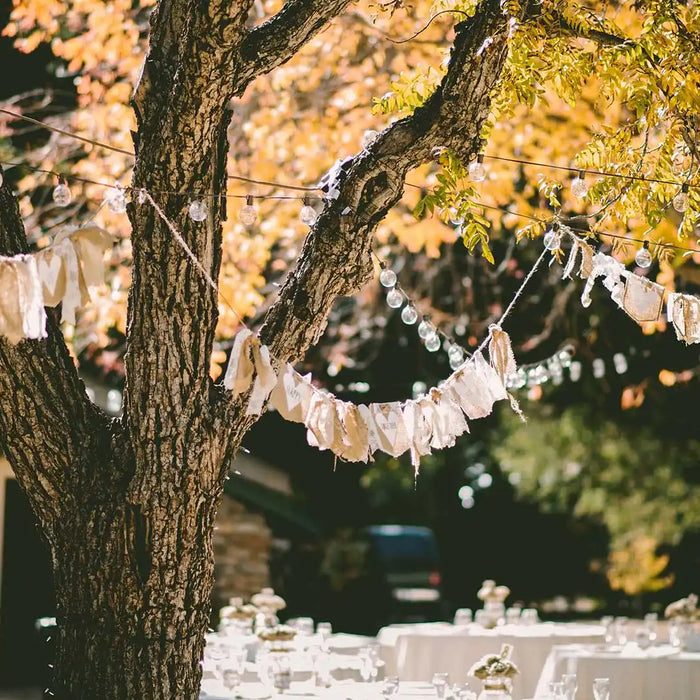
496,688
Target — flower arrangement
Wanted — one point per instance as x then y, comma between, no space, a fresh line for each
277,637
685,608
237,610
490,592
267,601
495,665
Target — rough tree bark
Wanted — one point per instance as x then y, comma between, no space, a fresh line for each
127,506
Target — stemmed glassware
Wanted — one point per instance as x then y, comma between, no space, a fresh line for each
440,683
556,690
369,657
390,686
232,668
570,685
601,688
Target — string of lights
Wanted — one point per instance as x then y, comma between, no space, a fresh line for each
248,215
474,167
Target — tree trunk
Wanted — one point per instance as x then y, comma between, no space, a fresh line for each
128,506
133,597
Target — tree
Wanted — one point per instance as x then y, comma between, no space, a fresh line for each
128,505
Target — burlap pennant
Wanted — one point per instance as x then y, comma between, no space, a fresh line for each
447,420
31,301
11,325
240,369
684,314
418,431
501,352
372,434
322,422
52,275
265,378
391,430
73,294
643,299
90,244
355,434
477,387
292,395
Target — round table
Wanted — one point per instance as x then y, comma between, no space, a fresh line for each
658,673
416,652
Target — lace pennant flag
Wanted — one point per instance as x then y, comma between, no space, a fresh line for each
391,429
292,395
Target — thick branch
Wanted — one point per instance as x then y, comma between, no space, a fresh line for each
49,429
278,39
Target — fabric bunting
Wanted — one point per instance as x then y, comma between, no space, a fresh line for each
59,274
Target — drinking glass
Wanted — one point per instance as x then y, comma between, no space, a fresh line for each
529,616
304,626
676,632
440,683
463,616
570,685
324,630
368,662
463,692
601,688
513,615
650,622
556,690
481,617
642,637
621,631
390,686
608,621
232,668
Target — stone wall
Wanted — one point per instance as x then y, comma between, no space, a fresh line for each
242,543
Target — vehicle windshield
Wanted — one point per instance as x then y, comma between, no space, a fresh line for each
405,550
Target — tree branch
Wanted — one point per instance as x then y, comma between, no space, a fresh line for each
335,259
49,429
279,38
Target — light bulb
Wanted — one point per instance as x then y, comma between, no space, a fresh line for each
62,195
575,371
432,342
369,137
552,239
579,186
620,362
2,179
248,214
409,315
680,201
477,171
518,378
394,298
598,368
456,356
387,277
643,257
307,215
116,201
198,210
425,328
564,357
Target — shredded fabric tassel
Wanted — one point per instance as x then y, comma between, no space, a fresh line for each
31,301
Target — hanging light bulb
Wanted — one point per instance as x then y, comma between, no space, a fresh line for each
564,356
432,342
425,328
643,257
456,356
248,214
61,193
409,315
116,200
387,277
552,238
198,210
598,368
2,180
394,298
680,201
308,214
620,362
477,171
575,371
579,186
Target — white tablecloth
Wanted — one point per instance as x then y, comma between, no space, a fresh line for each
659,673
339,691
416,652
